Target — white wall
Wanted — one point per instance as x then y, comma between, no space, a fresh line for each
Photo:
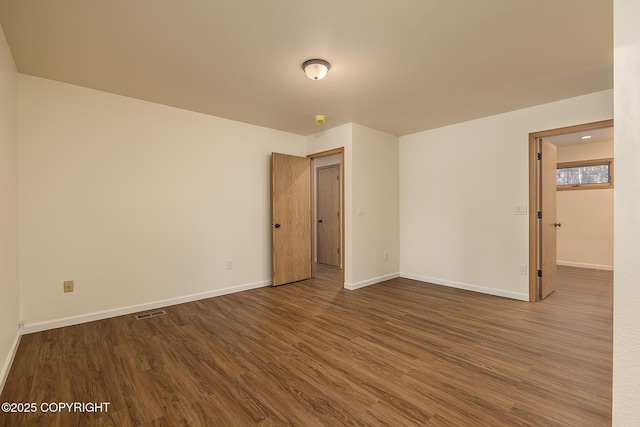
459,187
586,236
375,191
137,202
9,278
626,321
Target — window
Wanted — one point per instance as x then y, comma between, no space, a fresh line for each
585,175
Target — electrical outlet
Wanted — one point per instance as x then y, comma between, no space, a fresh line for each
68,286
386,256
522,269
229,264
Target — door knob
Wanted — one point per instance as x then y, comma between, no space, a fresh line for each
319,220
276,225
557,224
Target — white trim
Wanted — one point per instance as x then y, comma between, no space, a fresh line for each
9,361
105,314
468,287
368,282
584,265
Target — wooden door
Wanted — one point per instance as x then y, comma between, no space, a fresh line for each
290,218
328,215
548,221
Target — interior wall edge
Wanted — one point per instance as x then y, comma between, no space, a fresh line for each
369,282
9,360
585,265
122,311
467,287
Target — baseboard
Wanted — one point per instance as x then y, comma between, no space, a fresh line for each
9,361
467,287
585,265
99,315
362,284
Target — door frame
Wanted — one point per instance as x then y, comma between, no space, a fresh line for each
313,156
535,181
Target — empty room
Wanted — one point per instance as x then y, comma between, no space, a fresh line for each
293,213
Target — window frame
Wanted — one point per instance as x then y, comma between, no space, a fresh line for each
592,162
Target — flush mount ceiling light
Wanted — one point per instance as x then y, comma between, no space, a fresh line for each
316,69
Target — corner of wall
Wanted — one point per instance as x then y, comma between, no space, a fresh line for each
626,321
375,205
13,349
9,221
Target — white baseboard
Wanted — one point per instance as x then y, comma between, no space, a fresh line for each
9,361
99,315
468,287
368,282
585,265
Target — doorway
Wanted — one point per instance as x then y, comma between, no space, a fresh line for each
328,215
328,235
543,224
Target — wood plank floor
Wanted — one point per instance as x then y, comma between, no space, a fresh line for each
399,353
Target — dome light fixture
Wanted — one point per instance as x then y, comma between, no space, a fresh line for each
316,69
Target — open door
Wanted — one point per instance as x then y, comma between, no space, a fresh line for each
290,218
328,211
547,220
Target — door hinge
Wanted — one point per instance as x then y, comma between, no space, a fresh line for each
539,215
539,156
338,250
338,177
539,273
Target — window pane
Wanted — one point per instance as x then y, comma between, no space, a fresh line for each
596,174
568,176
561,176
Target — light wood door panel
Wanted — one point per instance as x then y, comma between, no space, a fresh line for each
290,218
328,218
548,206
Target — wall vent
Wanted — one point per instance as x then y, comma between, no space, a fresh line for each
150,314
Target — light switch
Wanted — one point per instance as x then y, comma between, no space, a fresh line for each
360,210
521,209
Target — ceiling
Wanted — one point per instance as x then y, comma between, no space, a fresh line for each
398,66
574,138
